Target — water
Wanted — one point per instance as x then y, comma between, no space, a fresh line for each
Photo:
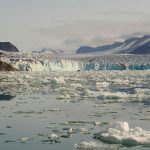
39,105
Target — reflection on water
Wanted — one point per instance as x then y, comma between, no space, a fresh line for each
60,110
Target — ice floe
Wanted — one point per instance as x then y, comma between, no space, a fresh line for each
59,80
86,145
24,139
91,145
120,133
53,137
84,131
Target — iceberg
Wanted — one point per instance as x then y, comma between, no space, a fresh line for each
120,133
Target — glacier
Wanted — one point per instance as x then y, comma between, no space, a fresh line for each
78,65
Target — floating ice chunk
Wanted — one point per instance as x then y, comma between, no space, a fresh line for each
45,81
88,94
86,145
119,133
84,131
70,131
72,123
59,80
138,131
26,76
24,112
96,123
112,96
110,138
64,96
114,131
121,126
76,85
53,109
131,140
102,84
53,137
24,139
142,91
60,89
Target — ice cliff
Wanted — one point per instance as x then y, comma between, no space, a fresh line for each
47,65
76,65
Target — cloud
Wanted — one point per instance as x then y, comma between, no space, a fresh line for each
92,32
74,41
136,34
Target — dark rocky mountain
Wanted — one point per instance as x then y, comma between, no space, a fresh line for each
136,45
8,47
87,49
144,49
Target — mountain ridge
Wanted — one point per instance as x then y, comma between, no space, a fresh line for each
44,51
134,45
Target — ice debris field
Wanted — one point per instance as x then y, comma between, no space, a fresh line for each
75,110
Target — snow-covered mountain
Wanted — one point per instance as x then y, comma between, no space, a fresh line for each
136,45
45,51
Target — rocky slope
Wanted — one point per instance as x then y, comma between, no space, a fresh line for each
6,67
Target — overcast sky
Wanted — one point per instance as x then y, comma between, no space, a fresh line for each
68,24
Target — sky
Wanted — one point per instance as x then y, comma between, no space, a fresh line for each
69,24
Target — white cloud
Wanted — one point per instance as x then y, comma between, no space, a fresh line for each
67,24
92,32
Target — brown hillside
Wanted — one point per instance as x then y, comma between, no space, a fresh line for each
6,67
